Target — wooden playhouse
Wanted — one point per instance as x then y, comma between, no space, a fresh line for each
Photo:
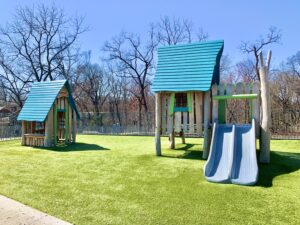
182,85
49,115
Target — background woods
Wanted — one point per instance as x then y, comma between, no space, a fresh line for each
113,92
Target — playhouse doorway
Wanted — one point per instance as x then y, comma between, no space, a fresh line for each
61,126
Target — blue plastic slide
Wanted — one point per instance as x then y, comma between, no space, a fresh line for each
219,163
232,156
245,169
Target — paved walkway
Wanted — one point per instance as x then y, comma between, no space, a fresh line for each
15,213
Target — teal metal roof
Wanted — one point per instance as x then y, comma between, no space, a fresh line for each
41,99
188,67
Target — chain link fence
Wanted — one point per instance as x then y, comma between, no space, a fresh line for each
284,125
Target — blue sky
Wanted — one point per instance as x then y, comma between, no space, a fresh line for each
231,20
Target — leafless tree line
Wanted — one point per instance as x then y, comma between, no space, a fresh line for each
42,43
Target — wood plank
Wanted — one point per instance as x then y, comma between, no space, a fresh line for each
170,119
191,115
215,111
157,123
198,112
164,113
49,129
23,132
177,123
206,124
185,122
70,123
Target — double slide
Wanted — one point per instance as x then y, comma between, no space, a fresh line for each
232,157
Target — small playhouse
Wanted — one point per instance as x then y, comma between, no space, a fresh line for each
49,115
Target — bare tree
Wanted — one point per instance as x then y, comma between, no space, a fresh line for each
13,82
246,70
273,36
134,60
39,44
174,31
92,83
293,64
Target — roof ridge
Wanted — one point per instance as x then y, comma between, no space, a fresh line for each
192,44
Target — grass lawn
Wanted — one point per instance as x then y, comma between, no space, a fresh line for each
119,180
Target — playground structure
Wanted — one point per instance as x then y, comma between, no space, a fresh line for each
182,85
49,115
190,99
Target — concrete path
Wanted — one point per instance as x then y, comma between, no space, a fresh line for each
15,213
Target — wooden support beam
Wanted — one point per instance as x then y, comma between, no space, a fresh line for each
172,140
74,126
198,112
206,124
157,123
66,121
164,112
191,114
215,110
185,122
70,123
182,137
55,124
23,132
48,140
177,122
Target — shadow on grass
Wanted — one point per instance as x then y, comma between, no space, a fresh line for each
76,147
187,152
281,163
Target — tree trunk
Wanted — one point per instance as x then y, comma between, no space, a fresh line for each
266,114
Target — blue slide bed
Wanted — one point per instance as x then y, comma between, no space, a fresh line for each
219,163
232,155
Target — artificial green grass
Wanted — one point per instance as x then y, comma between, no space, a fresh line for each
119,180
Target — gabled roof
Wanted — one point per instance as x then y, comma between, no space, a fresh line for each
41,99
188,67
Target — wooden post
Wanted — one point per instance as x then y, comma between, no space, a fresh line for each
157,123
185,122
215,111
55,124
163,112
198,109
265,135
171,126
182,136
23,132
66,122
206,124
172,139
191,114
48,141
70,123
74,126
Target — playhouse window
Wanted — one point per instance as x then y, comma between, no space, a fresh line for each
61,123
181,100
39,126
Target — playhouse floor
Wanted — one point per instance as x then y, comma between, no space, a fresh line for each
119,180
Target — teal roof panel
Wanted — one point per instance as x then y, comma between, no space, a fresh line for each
188,67
41,99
